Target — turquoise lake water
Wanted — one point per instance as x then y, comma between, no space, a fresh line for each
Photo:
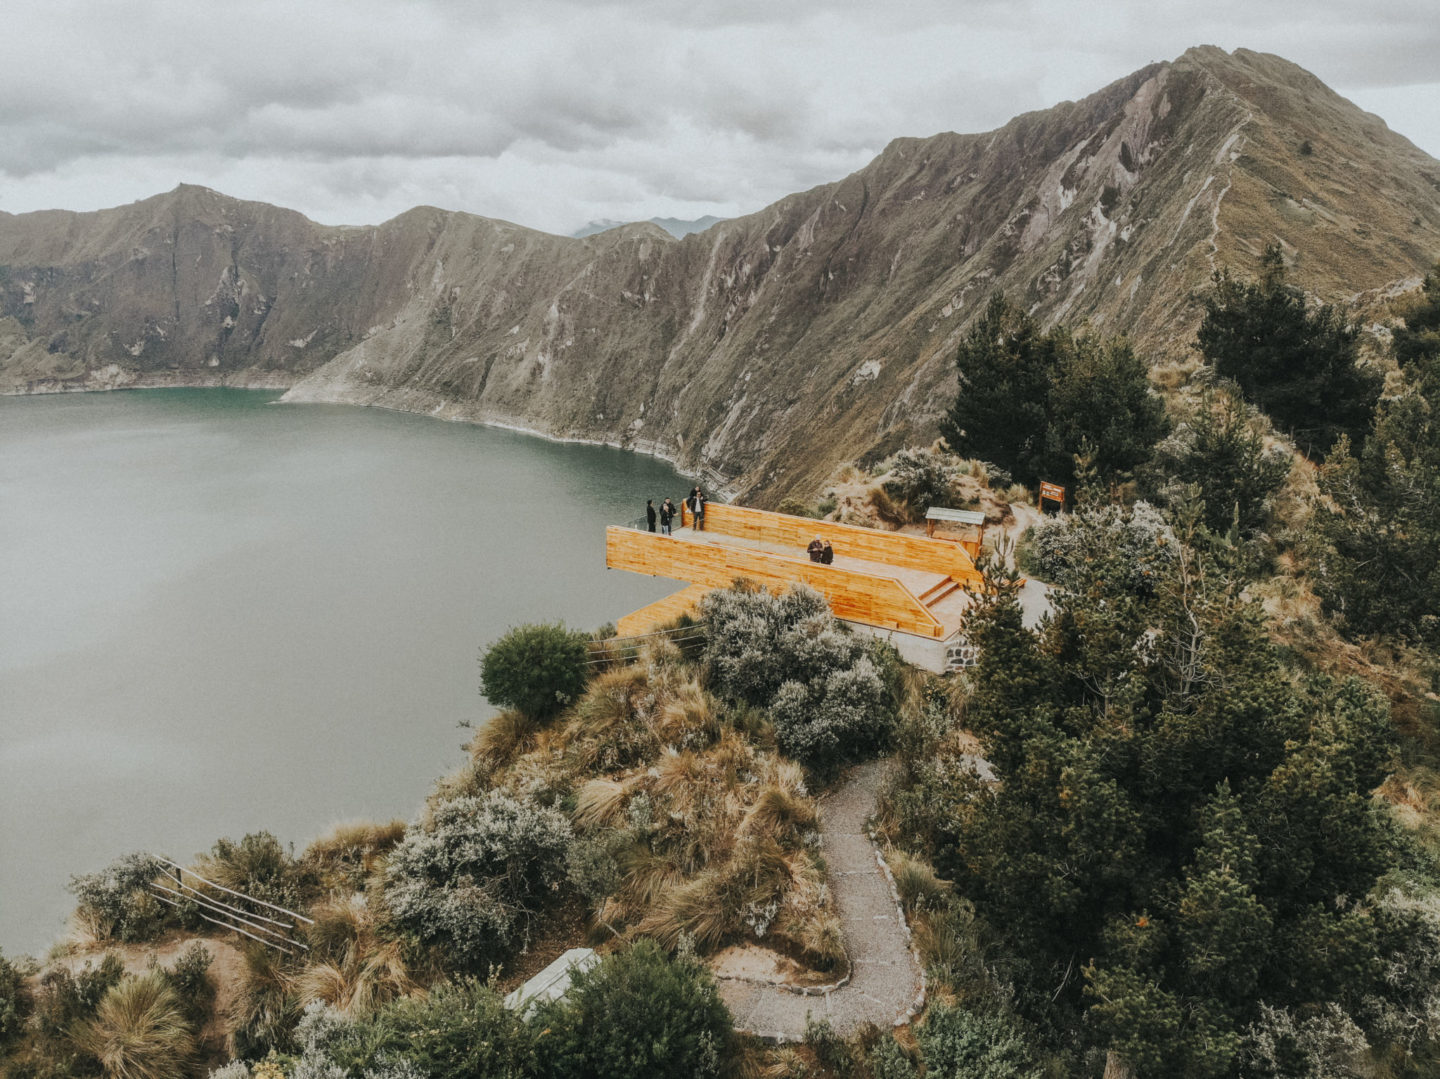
219,614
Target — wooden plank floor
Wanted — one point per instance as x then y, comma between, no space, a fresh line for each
949,610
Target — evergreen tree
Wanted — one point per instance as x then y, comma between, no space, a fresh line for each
1297,365
1005,370
1377,534
1031,401
1220,448
1181,834
1419,336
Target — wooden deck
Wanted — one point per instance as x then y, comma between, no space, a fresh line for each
887,580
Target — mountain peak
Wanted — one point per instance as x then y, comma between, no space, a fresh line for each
818,330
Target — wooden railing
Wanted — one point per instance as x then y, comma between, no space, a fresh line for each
861,597
871,544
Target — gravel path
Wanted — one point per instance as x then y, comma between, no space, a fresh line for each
885,982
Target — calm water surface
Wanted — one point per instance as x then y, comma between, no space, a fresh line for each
220,615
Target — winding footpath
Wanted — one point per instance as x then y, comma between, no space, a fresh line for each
886,985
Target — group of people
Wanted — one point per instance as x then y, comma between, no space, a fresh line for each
694,502
819,549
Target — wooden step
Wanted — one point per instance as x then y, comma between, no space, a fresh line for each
935,593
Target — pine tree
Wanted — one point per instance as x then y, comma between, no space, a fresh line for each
1297,365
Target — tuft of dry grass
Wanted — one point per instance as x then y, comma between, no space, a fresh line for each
915,880
139,1031
777,811
347,855
600,803
353,968
504,737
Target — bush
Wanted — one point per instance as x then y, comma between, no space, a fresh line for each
15,1001
260,867
1064,550
458,1031
116,902
140,1031
1221,450
189,980
463,879
787,653
65,999
637,1013
890,1060
959,1044
919,479
826,723
537,669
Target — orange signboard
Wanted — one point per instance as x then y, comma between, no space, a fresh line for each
1053,491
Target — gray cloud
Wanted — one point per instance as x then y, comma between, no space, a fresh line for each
559,111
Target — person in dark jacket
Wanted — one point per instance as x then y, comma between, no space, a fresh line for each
815,549
699,510
650,514
667,514
827,554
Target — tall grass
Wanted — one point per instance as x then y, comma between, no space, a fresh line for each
140,1031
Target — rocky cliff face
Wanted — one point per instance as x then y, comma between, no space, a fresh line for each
766,349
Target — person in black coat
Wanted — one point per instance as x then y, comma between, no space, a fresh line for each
667,514
650,514
827,554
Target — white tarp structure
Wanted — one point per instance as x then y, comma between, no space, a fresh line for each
553,982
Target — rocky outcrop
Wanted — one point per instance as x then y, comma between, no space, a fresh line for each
768,348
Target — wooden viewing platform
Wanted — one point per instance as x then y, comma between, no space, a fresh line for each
892,581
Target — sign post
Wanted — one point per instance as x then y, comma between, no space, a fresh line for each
1051,492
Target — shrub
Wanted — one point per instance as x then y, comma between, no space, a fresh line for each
637,1013
788,653
259,866
1064,550
15,1000
139,1031
116,902
462,879
65,999
827,723
891,1060
264,1010
538,669
458,1031
960,1044
829,1048
189,980
919,479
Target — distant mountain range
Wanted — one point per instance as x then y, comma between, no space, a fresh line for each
768,348
673,225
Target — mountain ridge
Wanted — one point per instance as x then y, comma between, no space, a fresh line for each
771,347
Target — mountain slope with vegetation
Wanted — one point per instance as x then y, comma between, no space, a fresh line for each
765,350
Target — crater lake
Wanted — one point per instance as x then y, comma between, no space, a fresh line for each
221,615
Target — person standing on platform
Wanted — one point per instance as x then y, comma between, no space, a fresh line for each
650,514
699,510
667,514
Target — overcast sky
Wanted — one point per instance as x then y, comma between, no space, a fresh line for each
554,113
